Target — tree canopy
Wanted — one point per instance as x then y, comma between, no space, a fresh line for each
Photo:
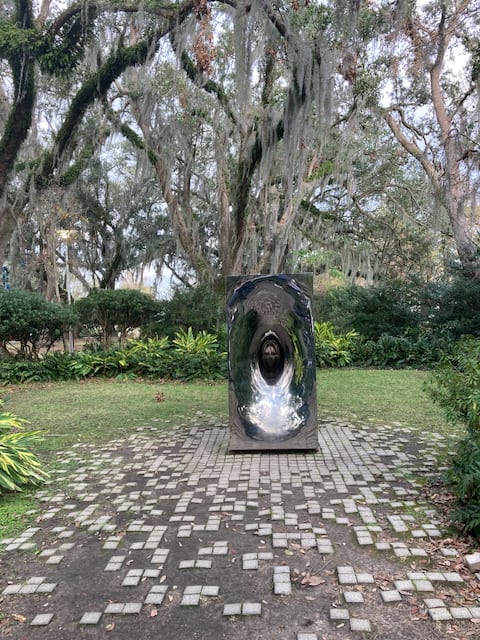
230,137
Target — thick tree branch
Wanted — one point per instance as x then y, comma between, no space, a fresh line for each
94,88
170,11
20,117
414,150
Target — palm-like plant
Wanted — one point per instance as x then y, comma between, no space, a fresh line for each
19,467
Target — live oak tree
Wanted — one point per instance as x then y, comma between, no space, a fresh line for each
232,142
430,101
74,52
247,114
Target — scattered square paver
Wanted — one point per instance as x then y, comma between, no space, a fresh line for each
440,613
243,511
41,620
233,609
91,617
360,624
391,596
251,608
353,597
339,614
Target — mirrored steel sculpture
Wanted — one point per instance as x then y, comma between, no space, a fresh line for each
271,360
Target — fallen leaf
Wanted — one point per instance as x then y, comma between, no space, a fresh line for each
110,627
315,581
153,613
312,581
19,618
162,579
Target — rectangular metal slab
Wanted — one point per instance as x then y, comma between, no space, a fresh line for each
271,362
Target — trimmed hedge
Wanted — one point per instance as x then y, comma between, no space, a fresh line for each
28,319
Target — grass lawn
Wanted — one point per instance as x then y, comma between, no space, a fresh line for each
379,397
101,410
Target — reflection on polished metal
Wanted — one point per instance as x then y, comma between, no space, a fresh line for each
271,360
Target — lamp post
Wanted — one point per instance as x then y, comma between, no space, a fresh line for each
65,234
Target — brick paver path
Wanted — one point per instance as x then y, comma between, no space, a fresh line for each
166,535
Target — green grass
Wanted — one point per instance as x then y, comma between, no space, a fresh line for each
99,411
379,397
16,513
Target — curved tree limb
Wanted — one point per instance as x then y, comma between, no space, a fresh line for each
20,117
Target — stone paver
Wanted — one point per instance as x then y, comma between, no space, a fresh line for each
42,620
179,528
91,617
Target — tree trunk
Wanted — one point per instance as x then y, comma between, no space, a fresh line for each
449,179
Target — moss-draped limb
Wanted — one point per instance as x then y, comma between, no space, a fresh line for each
74,171
251,156
159,8
20,117
209,85
94,88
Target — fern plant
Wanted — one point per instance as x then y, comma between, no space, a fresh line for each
187,343
19,467
150,357
331,349
197,356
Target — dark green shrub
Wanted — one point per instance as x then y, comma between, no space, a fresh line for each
197,307
386,352
455,384
409,350
382,311
390,309
463,478
456,308
31,321
106,311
